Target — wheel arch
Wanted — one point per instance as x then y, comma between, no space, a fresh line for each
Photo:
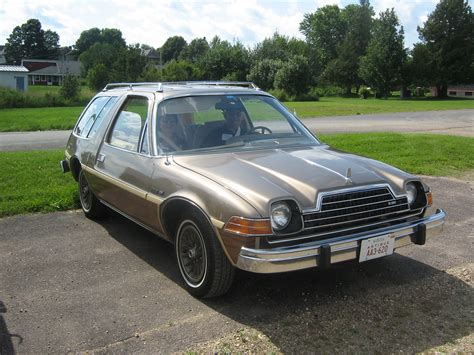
172,210
75,166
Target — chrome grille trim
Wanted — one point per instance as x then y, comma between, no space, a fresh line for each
351,214
355,220
360,198
415,213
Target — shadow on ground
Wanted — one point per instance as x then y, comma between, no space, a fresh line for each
386,305
6,344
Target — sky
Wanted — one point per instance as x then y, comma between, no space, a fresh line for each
151,22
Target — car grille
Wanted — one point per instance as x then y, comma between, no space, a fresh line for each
352,210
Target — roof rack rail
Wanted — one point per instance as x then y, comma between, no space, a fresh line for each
159,85
131,85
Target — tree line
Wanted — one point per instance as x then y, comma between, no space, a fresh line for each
348,47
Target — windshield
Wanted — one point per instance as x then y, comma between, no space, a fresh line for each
215,122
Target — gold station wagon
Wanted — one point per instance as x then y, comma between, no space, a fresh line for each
228,175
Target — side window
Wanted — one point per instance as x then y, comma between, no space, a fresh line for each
129,123
105,110
89,117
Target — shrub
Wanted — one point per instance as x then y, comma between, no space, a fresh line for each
70,88
364,93
98,76
279,94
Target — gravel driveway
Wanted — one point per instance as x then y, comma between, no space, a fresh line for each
70,284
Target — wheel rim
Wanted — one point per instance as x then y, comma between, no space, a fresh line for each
85,193
192,256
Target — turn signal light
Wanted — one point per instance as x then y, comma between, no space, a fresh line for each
429,198
248,226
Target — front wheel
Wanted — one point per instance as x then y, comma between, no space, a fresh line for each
91,206
203,265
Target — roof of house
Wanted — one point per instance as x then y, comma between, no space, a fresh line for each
52,67
13,68
461,87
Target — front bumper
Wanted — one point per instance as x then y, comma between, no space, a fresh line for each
326,252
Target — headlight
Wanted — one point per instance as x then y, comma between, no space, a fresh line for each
280,215
411,193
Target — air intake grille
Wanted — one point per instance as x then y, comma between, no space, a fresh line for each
358,208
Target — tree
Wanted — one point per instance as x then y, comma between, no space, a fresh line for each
293,76
70,88
181,70
195,50
324,31
448,35
99,53
172,48
98,76
278,47
381,67
88,38
263,73
30,41
128,65
224,60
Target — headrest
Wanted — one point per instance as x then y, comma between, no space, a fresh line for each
229,103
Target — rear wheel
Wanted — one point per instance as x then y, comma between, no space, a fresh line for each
91,206
203,265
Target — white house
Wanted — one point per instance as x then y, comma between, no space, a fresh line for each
14,77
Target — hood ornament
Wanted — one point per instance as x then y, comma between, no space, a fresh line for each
348,176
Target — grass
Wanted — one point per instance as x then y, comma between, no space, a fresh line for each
53,118
425,154
337,106
33,182
40,90
38,119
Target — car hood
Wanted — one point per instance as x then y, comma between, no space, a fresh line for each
298,173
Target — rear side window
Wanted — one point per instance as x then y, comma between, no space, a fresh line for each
90,116
129,124
105,110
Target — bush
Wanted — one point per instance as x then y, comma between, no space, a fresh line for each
98,77
325,91
279,94
14,99
70,88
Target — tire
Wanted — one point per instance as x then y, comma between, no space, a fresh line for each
91,206
205,269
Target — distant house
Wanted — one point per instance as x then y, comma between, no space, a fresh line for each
50,72
461,91
14,77
153,56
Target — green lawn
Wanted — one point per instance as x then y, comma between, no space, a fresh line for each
337,106
38,119
33,181
51,118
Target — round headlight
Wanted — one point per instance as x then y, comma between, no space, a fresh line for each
411,193
281,215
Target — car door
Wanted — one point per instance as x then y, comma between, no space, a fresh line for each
123,162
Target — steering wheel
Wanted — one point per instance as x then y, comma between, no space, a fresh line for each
262,129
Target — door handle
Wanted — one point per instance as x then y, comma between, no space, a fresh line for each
100,157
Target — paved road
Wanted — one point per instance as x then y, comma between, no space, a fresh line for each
71,284
455,122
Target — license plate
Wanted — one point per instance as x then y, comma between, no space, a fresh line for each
377,247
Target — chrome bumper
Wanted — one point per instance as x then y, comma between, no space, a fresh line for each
327,252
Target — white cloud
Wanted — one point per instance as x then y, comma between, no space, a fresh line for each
152,22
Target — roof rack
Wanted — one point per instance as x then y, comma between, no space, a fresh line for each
159,85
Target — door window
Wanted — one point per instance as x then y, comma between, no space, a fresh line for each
129,124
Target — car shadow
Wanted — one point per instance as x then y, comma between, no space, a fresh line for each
383,306
6,343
